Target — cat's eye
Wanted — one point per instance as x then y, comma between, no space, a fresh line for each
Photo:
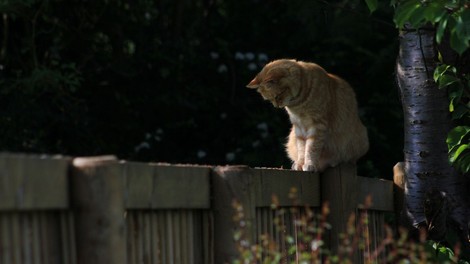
270,81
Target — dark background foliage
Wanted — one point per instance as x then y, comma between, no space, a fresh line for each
165,80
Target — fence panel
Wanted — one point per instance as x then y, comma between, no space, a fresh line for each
168,218
36,225
159,213
168,236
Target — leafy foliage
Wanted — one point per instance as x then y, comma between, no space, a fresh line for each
302,240
458,140
453,16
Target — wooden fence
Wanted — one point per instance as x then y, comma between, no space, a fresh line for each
101,210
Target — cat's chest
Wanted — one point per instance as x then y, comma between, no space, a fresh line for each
303,126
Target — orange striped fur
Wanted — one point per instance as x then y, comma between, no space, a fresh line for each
326,129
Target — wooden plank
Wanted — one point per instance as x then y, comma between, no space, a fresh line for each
16,241
138,184
5,245
65,242
380,192
232,183
156,186
99,210
181,187
31,182
280,183
339,190
208,237
71,235
10,181
45,183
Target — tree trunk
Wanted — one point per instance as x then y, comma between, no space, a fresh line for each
433,190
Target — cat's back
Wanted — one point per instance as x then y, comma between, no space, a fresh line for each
343,93
355,142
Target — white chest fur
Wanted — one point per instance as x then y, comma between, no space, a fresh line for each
302,128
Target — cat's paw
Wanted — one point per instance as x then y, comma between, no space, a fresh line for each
309,167
297,166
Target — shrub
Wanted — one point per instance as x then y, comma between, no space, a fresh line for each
302,240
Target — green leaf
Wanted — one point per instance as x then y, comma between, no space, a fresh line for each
292,250
441,70
455,155
290,240
446,80
465,16
451,105
435,12
456,135
459,111
458,43
441,27
404,11
455,95
460,27
418,17
372,5
463,163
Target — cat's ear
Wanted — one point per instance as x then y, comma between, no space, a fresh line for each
254,84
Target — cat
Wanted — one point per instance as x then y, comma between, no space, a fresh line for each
326,129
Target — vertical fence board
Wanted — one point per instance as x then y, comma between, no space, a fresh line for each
231,183
156,251
99,203
208,237
16,241
161,235
339,189
34,237
5,241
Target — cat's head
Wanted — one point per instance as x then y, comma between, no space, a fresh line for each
278,82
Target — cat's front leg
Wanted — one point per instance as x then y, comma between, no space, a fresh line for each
300,161
313,147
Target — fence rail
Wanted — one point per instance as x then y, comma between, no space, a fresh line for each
57,209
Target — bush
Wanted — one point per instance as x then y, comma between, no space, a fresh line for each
301,240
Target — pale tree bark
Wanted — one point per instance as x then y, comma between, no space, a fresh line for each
434,194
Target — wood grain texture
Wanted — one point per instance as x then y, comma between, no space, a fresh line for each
98,203
181,187
166,236
229,184
339,190
33,182
281,183
156,186
37,237
379,191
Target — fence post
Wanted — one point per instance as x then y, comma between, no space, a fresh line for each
231,183
339,189
97,197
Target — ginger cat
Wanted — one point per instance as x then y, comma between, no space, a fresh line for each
322,108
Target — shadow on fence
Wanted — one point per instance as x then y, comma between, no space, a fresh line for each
101,210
